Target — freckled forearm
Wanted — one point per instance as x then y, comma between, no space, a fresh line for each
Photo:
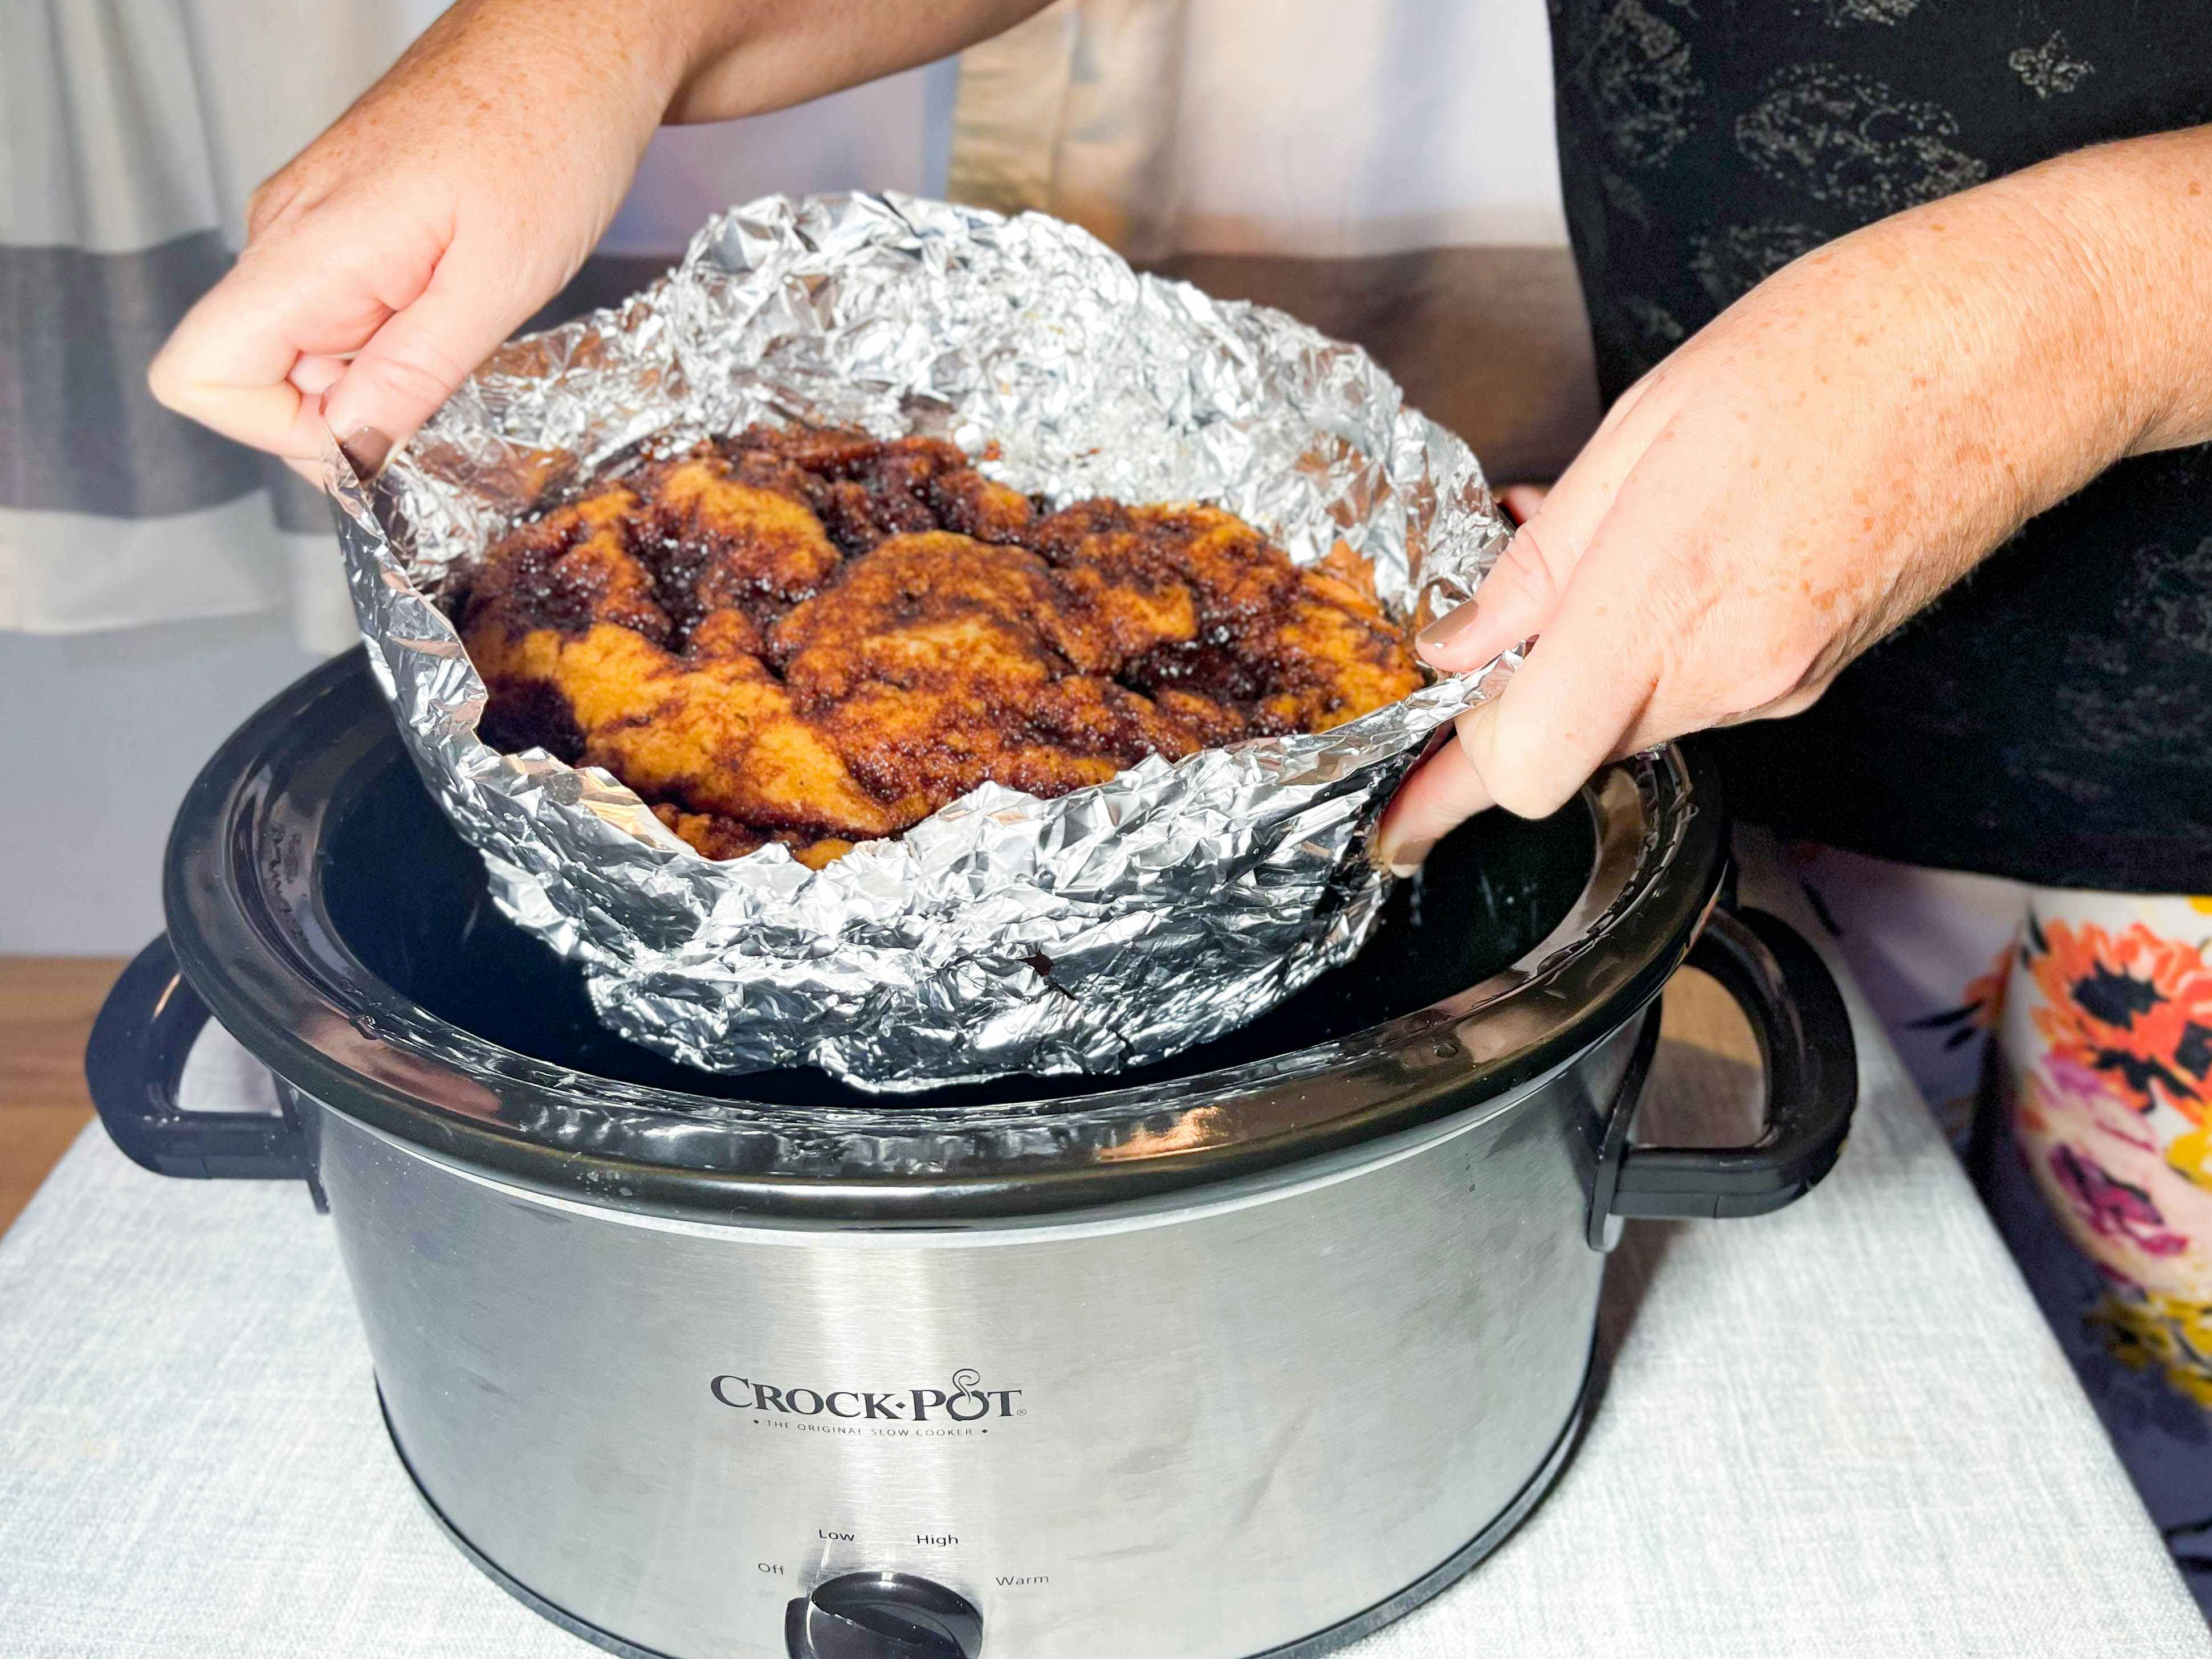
747,57
700,60
2042,326
2133,223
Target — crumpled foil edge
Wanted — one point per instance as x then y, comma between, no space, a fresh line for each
1091,933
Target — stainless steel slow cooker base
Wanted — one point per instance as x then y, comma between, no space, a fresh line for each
1263,1335
1426,1588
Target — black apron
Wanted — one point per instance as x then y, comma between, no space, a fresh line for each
2050,718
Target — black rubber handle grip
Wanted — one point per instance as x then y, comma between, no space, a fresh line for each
1804,1036
136,1055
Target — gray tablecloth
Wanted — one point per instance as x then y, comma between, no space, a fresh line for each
1842,1430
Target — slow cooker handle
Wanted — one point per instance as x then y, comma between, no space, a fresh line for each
134,1062
1804,1035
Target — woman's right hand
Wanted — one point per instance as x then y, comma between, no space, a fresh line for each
392,254
465,187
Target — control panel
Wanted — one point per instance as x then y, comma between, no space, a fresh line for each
882,1615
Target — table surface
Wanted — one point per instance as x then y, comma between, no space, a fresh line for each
1841,1430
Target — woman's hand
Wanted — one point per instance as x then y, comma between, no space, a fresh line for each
394,252
1824,459
464,188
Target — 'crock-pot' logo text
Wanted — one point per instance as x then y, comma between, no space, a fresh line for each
968,1401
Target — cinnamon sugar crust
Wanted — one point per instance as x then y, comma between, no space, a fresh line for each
816,637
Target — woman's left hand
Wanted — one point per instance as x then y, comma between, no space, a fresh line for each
1824,459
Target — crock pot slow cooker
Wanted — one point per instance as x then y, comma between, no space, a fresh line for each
1244,1354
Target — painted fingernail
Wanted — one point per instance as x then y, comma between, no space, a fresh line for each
1407,859
367,449
1446,629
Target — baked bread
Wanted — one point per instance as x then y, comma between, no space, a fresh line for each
816,637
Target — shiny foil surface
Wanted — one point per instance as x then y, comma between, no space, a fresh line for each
1103,929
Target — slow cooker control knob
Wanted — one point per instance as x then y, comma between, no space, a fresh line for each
882,1615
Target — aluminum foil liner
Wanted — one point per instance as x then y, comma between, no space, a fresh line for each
1101,930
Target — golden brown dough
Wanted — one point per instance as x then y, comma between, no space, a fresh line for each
815,637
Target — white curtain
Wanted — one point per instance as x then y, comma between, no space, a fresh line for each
133,132
1311,129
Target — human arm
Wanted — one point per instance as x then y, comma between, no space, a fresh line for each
1824,459
464,188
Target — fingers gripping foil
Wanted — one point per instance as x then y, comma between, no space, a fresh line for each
1102,929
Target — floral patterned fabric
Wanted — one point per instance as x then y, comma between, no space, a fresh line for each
2071,1059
